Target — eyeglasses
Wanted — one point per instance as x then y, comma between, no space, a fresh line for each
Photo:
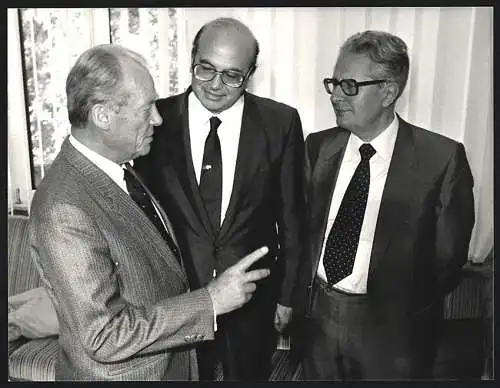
231,78
349,86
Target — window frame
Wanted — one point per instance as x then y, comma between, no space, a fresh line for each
100,32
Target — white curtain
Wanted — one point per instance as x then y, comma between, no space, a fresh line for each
449,90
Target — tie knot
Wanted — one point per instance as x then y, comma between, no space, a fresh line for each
366,151
214,123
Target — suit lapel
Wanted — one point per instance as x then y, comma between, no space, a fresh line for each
251,150
181,173
158,207
110,195
324,177
397,197
326,171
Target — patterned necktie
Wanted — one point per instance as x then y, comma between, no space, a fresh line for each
211,175
142,197
343,239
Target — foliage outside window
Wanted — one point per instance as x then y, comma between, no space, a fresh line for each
52,39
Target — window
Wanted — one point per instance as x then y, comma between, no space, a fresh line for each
52,39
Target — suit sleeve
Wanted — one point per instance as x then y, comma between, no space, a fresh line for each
307,170
291,217
301,290
455,219
75,260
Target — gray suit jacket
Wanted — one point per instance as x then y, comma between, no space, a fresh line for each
121,296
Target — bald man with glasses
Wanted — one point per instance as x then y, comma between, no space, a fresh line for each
227,165
390,211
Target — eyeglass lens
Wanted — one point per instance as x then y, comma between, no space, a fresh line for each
204,73
348,86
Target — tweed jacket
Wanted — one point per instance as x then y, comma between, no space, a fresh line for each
122,297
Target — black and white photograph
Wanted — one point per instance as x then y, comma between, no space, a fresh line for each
250,194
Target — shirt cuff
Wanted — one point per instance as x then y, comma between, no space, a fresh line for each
215,315
214,274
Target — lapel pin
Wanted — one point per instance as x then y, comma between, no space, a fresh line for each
206,167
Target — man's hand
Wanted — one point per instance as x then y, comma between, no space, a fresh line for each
282,317
235,286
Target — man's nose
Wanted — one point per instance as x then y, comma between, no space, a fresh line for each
337,94
216,82
156,118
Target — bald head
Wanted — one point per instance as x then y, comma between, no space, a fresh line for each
224,56
229,31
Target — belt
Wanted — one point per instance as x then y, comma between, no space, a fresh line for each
329,287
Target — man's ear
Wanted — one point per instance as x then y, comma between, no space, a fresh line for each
391,92
252,70
99,114
249,77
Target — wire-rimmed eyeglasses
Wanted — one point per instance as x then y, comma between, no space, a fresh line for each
349,86
234,79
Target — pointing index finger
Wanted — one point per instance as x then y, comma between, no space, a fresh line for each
251,258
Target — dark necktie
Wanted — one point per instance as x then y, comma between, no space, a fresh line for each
343,239
211,175
141,195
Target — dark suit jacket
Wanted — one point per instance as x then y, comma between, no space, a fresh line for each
120,293
424,224
266,201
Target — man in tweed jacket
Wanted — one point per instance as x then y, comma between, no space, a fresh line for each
120,290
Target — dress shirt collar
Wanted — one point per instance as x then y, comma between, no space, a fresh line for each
110,168
202,115
383,143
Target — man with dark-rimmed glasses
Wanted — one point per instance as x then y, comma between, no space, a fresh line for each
390,213
228,166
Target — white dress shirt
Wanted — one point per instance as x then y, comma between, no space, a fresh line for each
379,166
229,137
110,168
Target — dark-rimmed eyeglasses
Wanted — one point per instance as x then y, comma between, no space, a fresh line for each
230,78
349,86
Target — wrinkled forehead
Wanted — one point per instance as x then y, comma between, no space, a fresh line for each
353,65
